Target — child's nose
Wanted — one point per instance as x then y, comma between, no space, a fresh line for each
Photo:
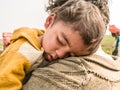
61,53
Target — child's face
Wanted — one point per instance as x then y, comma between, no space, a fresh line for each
60,40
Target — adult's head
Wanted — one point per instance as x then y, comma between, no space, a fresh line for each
83,22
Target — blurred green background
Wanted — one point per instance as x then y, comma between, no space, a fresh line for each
107,44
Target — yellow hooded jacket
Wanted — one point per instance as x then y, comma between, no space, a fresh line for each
19,56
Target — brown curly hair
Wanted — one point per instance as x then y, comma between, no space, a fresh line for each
88,17
101,4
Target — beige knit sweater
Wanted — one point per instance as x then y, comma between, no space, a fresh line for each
77,73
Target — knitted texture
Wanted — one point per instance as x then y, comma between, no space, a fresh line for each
76,73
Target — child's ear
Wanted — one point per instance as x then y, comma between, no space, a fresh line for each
50,20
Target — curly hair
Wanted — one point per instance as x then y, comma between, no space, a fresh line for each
88,17
101,4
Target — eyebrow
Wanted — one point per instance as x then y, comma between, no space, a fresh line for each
66,39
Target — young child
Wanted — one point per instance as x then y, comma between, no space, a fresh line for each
73,29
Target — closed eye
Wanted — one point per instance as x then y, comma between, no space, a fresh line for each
59,41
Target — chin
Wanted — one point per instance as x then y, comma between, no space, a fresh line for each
45,56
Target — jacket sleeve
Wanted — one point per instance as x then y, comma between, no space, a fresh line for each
19,57
12,71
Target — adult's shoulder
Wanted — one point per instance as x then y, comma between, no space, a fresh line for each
75,73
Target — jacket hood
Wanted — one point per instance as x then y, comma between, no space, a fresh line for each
30,34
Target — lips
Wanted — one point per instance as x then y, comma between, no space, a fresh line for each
48,57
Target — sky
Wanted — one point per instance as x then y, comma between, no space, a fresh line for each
115,12
22,13
31,13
